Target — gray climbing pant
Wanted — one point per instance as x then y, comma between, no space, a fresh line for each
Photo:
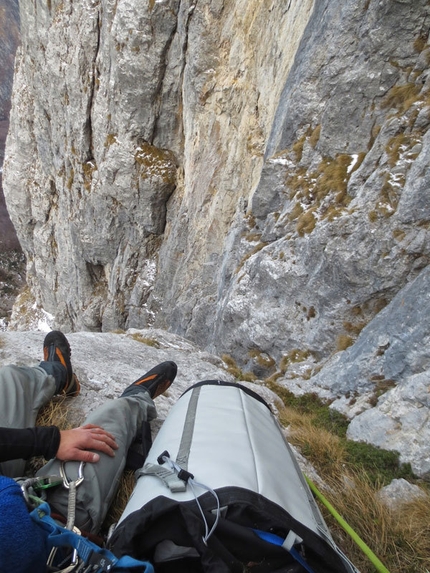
24,391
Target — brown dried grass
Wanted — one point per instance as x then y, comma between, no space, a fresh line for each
55,413
399,537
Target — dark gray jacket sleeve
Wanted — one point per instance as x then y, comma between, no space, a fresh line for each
24,444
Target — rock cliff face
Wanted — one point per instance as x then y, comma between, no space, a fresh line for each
9,40
250,175
12,268
137,129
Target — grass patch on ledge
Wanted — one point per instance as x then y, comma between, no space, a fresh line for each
145,340
309,411
322,193
233,369
353,473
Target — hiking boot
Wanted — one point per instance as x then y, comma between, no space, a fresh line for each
156,381
56,350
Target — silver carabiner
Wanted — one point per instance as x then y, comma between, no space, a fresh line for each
66,481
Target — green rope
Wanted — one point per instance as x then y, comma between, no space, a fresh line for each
365,548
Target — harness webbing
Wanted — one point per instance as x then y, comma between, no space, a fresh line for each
91,554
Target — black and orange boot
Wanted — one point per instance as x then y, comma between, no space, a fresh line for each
156,381
56,354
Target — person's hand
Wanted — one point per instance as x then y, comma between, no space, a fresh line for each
75,444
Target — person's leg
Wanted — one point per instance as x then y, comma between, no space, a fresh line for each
24,390
123,418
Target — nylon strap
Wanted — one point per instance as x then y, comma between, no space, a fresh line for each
276,540
90,553
187,432
168,476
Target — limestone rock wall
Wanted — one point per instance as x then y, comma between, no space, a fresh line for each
250,175
382,381
9,39
119,106
85,183
339,221
333,221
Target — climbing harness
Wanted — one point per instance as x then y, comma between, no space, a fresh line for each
86,556
90,558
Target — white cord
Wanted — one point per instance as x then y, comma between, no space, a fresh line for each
193,483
